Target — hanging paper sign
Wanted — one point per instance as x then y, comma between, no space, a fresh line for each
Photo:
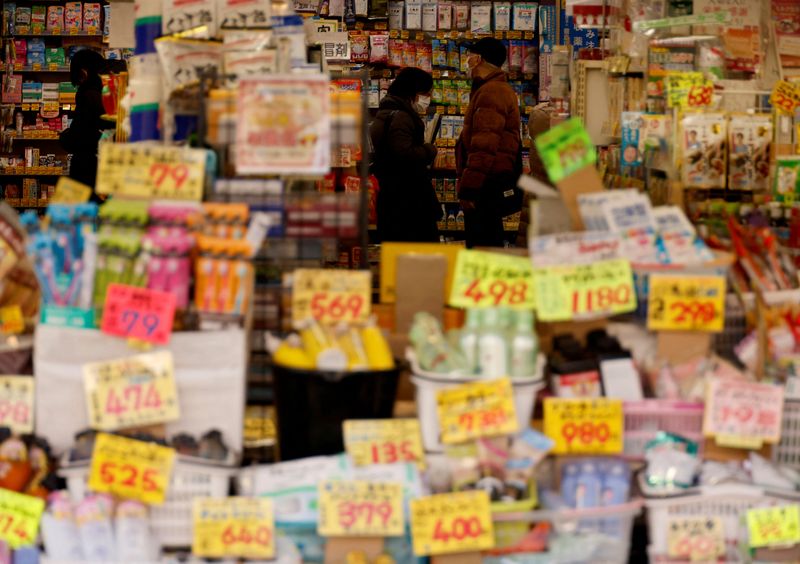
383,441
451,523
484,279
151,171
774,526
477,409
785,96
131,469
361,509
712,18
684,303
584,426
138,313
696,538
19,518
233,527
584,291
743,414
70,191
16,403
131,392
565,149
11,320
331,296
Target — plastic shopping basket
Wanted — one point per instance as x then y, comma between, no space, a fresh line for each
645,418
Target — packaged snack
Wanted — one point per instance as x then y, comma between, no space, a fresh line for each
429,17
523,16
35,52
502,16
461,15
481,17
55,56
464,90
449,93
396,52
529,60
438,53
463,61
38,19
409,54
20,51
9,9
424,56
396,10
516,52
359,47
379,47
749,141
55,18
453,60
22,17
73,15
703,139
787,179
91,17
413,13
445,16
12,88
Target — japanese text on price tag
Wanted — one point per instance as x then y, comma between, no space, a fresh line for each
679,88
774,526
11,320
131,469
454,522
484,279
681,303
476,409
233,527
584,426
584,291
150,171
70,191
360,508
695,538
19,518
565,149
16,403
331,296
383,441
130,392
138,313
785,96
740,413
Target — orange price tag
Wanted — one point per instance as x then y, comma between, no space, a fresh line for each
139,313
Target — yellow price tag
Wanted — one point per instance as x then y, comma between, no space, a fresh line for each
70,191
584,291
149,171
233,527
131,392
361,509
383,441
131,469
331,296
16,403
678,86
695,538
678,303
584,426
785,96
451,523
484,279
477,409
74,31
774,526
11,320
19,518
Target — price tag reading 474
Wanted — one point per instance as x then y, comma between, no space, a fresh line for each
138,313
331,296
451,523
19,518
233,527
477,409
361,509
584,426
484,279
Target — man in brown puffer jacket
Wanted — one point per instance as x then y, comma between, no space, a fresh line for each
488,150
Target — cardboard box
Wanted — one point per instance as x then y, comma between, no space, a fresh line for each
585,181
421,283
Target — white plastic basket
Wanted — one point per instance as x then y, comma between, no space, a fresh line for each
728,502
170,522
645,418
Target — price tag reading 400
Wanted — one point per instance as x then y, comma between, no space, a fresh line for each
383,441
138,313
16,403
584,426
484,279
131,469
477,409
361,509
129,392
451,523
774,526
680,303
19,518
233,527
331,296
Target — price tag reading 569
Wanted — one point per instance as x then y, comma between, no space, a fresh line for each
331,296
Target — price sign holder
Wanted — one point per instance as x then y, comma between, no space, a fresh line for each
19,518
484,279
477,409
774,526
584,426
131,392
138,313
11,320
357,508
686,303
16,403
452,524
383,441
565,149
696,538
743,414
131,469
70,191
233,527
785,96
331,296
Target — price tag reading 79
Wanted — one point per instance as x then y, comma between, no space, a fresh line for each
138,313
584,426
483,279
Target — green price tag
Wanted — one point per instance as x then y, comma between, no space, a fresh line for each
565,149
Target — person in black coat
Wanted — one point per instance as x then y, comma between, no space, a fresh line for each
407,205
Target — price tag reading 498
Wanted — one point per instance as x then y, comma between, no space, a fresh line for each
484,279
584,426
451,523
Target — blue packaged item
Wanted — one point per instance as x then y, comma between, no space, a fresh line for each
569,483
589,486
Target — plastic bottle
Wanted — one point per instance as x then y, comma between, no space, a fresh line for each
290,354
313,338
569,484
588,492
524,346
616,485
492,347
468,339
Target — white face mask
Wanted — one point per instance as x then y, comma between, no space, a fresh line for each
421,103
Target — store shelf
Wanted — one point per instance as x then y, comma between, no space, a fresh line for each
36,106
58,33
35,68
35,138
35,171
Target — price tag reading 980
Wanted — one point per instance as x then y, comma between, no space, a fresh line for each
331,296
483,279
383,441
584,426
233,527
451,523
679,303
360,508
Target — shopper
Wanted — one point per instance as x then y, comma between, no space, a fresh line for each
488,153
407,205
538,123
82,136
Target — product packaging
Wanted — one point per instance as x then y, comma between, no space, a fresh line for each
379,47
749,142
359,47
55,18
409,54
461,14
396,10
38,19
787,179
73,15
445,16
20,52
413,13
396,52
424,56
502,16
429,17
703,138
481,17
631,130
523,16
22,18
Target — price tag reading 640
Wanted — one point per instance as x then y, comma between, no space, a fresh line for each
451,523
584,426
484,279
477,409
233,527
331,296
360,508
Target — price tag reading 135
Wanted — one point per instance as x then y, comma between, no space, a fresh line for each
476,409
331,296
360,508
686,303
383,441
233,527
19,518
774,526
584,426
451,523
484,279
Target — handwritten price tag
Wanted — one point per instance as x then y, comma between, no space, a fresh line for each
131,469
677,303
70,191
679,86
19,518
139,313
130,392
785,96
331,296
565,149
584,291
383,441
233,527
11,320
696,539
360,508
150,171
450,523
584,426
743,414
484,279
16,403
477,409
774,526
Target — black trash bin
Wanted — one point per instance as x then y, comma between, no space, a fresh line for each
311,406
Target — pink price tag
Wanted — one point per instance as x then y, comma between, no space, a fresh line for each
139,313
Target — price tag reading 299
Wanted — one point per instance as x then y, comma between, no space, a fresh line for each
331,296
484,279
584,426
686,303
451,523
360,508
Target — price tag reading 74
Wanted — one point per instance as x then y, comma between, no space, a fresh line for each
451,523
477,409
360,508
19,518
483,279
584,426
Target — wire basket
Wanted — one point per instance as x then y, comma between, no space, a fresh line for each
645,418
787,450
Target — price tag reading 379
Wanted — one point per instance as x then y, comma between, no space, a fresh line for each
361,508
